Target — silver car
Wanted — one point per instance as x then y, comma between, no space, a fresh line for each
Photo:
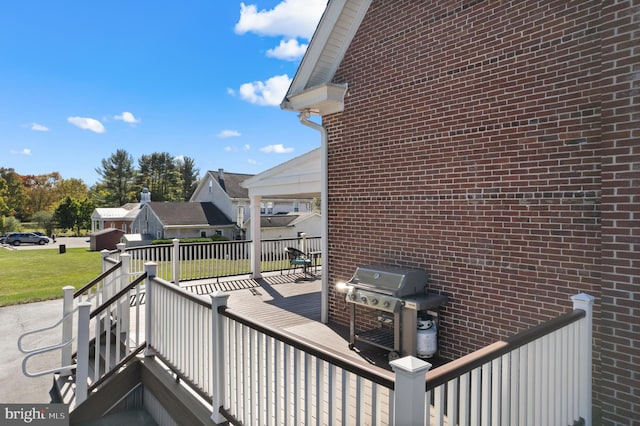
18,238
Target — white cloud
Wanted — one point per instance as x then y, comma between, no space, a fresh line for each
270,92
39,127
289,18
246,147
229,148
289,50
251,161
87,123
276,149
228,134
25,151
127,117
179,158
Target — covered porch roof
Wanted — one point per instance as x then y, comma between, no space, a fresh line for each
296,178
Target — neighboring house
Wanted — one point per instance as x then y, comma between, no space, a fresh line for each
283,226
163,220
494,144
118,217
225,190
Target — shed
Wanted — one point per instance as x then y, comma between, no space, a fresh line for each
105,239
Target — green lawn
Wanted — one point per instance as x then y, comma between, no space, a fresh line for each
33,275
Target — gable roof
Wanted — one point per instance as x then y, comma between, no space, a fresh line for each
127,212
297,178
189,214
230,182
312,88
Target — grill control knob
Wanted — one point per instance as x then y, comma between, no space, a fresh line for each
374,301
386,304
352,296
363,299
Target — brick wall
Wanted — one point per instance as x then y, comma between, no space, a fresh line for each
620,211
473,144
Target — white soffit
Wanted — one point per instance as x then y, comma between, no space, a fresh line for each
328,46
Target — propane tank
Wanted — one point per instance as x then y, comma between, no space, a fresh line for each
427,341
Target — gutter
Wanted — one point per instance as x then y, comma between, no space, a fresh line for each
324,205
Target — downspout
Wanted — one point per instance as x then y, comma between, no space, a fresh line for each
324,205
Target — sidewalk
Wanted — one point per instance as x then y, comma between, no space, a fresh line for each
15,320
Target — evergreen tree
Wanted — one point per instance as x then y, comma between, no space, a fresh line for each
188,177
118,175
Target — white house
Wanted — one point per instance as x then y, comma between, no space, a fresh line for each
227,191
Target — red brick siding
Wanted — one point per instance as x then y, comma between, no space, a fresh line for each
470,145
620,352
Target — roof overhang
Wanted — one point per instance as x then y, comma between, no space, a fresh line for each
321,100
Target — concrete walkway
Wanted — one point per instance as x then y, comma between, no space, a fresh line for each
15,320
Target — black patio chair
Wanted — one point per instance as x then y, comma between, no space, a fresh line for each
297,259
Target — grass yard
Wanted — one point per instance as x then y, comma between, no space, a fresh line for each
34,275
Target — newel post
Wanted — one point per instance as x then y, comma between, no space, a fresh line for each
104,254
409,395
585,302
67,328
176,261
151,269
82,366
217,378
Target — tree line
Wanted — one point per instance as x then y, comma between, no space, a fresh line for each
67,204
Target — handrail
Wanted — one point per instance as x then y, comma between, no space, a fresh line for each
467,363
184,293
28,333
100,277
41,351
381,377
118,295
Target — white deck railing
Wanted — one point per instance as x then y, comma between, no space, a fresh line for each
255,374
259,375
192,261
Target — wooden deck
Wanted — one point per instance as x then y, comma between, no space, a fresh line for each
293,305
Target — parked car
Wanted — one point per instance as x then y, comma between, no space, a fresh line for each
18,238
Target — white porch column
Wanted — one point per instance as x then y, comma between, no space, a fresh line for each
256,237
175,261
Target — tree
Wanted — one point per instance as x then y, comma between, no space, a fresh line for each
159,173
40,191
14,197
74,188
74,214
188,177
44,219
118,175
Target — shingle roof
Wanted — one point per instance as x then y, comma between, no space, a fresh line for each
187,213
277,221
232,183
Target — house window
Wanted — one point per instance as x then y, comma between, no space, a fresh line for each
210,185
218,232
296,207
269,207
203,234
262,209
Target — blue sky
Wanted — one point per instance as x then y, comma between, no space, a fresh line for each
197,78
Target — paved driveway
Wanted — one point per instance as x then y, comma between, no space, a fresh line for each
15,320
69,242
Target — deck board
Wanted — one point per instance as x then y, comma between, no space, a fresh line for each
293,305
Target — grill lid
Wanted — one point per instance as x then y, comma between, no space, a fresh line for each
396,281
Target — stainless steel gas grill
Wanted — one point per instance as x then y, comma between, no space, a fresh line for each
398,294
